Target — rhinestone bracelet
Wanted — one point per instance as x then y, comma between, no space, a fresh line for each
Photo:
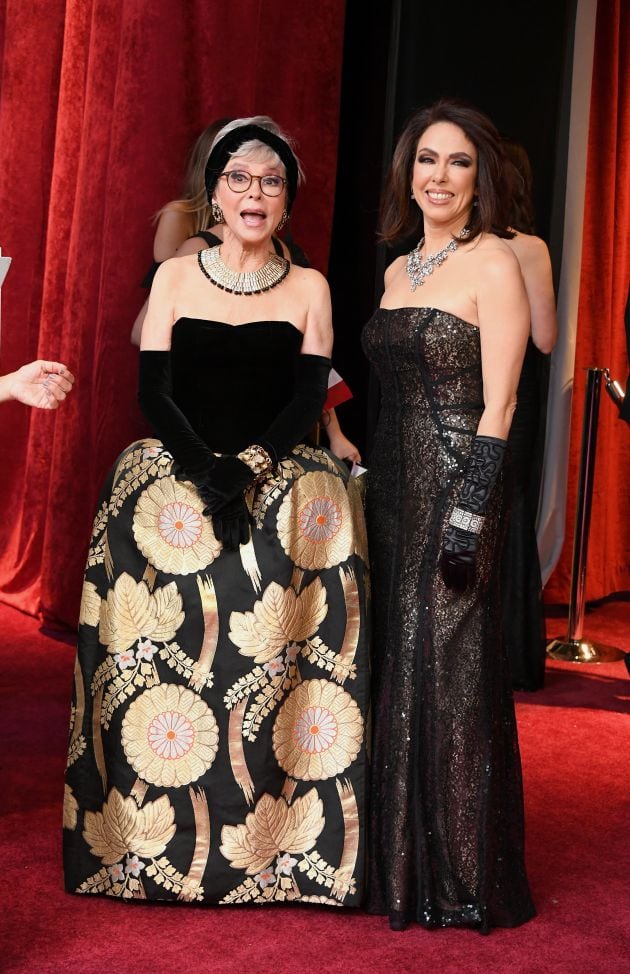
466,521
258,461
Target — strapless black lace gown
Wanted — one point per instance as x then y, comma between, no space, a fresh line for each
446,844
217,747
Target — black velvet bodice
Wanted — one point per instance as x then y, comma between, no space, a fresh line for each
231,381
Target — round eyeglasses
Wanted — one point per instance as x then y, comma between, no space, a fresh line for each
239,182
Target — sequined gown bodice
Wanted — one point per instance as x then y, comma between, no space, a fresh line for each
446,844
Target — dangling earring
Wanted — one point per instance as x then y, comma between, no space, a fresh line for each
217,213
284,219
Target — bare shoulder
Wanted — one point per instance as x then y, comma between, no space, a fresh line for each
493,256
394,268
173,215
528,248
175,269
310,279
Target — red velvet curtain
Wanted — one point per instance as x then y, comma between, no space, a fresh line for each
100,102
605,277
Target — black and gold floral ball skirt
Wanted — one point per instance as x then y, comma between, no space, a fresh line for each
217,741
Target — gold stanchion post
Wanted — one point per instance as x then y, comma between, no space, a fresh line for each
576,649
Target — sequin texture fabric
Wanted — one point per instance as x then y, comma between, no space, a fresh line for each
446,842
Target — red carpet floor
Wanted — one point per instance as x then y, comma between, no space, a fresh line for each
576,757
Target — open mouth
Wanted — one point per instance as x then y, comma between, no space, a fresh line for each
253,218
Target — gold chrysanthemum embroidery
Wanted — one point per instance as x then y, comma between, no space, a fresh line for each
314,521
170,529
318,731
170,736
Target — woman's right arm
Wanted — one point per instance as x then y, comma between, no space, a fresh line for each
136,331
173,228
155,387
160,313
504,314
537,274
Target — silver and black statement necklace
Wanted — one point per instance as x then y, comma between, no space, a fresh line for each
242,282
418,269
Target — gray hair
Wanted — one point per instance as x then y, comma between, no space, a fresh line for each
253,147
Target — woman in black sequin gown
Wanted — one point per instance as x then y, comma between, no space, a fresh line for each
446,843
217,744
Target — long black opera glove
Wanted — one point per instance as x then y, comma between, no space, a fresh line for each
299,416
459,544
231,523
218,479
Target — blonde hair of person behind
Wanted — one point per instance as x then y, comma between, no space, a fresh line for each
194,199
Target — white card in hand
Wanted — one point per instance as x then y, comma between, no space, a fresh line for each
5,263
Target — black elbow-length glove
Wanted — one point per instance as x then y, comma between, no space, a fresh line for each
299,415
218,479
459,544
221,480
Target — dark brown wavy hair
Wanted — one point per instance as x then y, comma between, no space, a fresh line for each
522,215
401,217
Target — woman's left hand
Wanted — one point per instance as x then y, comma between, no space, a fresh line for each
227,478
458,562
231,524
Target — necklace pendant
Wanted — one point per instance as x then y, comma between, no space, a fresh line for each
418,269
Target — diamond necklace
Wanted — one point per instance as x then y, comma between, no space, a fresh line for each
418,269
242,282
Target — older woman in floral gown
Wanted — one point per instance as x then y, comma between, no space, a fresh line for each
217,738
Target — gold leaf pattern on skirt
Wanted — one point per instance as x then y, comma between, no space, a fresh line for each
131,613
90,605
70,808
279,618
124,828
178,690
271,828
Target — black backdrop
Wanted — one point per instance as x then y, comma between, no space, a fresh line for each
513,60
